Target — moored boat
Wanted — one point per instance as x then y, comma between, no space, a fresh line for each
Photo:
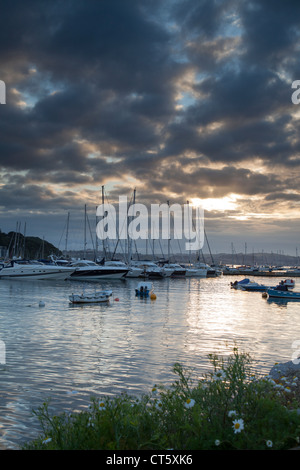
151,269
89,271
254,287
133,271
239,284
282,292
97,297
144,289
34,270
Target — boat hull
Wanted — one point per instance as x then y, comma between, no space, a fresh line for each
273,293
99,297
96,274
25,273
258,288
195,273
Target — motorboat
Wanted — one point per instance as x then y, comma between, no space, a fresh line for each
34,270
282,292
150,269
144,289
211,271
133,271
97,297
254,287
86,270
178,270
290,283
193,271
239,284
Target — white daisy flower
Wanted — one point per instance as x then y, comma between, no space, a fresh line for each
238,425
46,441
189,403
101,405
219,375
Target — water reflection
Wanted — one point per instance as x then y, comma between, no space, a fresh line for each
71,352
281,302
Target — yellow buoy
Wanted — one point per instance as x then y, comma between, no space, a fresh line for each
153,296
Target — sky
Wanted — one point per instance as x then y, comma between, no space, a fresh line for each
178,99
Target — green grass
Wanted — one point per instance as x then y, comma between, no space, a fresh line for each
229,408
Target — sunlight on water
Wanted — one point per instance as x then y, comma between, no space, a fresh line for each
70,353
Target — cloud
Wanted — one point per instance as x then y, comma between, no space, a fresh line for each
178,98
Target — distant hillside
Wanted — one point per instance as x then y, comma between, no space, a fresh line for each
28,247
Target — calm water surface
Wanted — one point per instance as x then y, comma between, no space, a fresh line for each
69,353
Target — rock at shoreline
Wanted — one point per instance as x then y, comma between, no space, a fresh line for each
286,369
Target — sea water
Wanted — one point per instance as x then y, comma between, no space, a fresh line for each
67,354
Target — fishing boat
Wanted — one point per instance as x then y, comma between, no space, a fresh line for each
144,289
97,297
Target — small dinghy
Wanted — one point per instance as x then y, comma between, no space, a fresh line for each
282,292
255,287
239,284
144,289
290,283
97,297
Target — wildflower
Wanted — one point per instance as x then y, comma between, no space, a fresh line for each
90,422
102,405
46,441
189,403
238,425
154,390
219,375
231,413
158,405
217,442
269,443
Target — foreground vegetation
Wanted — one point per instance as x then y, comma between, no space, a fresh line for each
229,408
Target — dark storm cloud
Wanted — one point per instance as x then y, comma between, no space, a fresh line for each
176,96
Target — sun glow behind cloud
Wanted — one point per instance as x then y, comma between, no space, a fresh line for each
221,204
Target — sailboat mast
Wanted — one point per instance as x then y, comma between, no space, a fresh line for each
103,242
129,239
169,234
84,248
67,233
